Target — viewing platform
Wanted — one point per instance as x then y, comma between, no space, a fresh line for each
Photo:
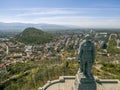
79,82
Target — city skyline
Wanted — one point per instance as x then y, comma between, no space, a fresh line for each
83,13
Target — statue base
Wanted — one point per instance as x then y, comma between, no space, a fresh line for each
83,83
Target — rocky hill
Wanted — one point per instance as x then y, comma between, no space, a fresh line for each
34,36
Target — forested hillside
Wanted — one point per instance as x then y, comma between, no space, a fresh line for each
34,36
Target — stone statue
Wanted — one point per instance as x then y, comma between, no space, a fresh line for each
86,57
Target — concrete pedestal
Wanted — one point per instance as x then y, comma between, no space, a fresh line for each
83,83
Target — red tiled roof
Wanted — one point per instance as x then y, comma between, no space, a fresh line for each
1,65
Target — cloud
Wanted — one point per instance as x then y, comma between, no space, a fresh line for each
68,16
48,12
71,20
24,12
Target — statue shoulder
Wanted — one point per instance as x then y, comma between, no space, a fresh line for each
84,44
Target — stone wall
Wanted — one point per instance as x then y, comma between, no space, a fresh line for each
63,83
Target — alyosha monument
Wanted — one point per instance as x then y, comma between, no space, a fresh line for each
86,57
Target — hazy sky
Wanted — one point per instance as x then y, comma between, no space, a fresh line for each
85,13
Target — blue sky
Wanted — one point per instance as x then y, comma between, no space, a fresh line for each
84,13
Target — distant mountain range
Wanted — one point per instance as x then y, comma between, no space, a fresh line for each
18,27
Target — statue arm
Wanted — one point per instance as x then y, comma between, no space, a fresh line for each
94,53
80,54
